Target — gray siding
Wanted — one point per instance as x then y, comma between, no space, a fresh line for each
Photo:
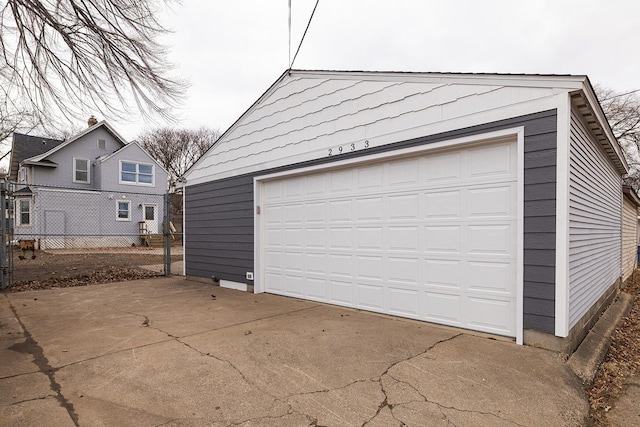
219,215
85,147
109,171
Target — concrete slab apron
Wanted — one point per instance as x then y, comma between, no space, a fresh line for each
161,351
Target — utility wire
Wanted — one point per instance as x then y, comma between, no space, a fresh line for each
621,94
304,34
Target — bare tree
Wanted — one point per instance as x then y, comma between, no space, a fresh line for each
623,113
178,149
71,56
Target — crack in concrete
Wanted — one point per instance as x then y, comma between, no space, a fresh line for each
32,399
385,403
19,375
31,346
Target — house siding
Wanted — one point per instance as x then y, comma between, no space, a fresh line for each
629,238
83,148
595,192
220,229
110,172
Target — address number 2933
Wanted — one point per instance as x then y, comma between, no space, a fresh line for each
341,149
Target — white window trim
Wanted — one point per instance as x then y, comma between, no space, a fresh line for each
19,210
88,181
128,202
144,184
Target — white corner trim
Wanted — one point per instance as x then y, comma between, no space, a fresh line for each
184,235
520,242
563,142
258,286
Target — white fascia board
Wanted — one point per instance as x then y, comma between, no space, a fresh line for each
563,141
569,82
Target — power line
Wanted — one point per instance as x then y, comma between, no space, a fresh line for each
304,34
621,94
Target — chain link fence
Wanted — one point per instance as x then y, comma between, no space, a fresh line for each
59,236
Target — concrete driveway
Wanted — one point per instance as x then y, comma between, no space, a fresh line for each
164,352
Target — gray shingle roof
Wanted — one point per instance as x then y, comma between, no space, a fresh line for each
25,146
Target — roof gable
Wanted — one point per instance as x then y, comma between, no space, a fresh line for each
76,137
128,147
306,112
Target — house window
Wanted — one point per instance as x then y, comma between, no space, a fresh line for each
81,170
25,212
102,144
123,210
22,174
136,173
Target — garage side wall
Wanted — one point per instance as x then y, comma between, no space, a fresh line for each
220,232
595,193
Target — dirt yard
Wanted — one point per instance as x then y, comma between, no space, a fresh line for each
87,266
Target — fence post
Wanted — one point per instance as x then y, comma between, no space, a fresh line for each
4,267
167,235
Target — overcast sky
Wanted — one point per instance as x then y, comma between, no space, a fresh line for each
232,51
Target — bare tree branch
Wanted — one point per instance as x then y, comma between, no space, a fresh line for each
178,149
73,56
623,113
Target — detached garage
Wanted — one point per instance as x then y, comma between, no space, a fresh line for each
480,201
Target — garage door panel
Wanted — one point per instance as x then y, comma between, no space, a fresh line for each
402,173
294,285
315,185
370,268
491,315
491,201
441,205
340,238
403,239
494,161
316,263
443,239
493,239
370,177
341,211
442,273
341,292
403,207
371,296
429,237
317,288
404,301
340,182
341,265
370,238
491,277
403,270
315,213
443,167
443,308
293,238
369,209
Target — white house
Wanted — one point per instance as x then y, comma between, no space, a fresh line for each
482,201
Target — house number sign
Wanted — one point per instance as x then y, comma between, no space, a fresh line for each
348,148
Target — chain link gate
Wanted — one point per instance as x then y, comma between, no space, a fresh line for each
61,236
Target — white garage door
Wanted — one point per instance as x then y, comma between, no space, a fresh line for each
430,237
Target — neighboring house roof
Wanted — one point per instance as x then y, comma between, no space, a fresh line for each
40,157
26,146
578,87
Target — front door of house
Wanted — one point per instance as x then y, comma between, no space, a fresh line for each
151,218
